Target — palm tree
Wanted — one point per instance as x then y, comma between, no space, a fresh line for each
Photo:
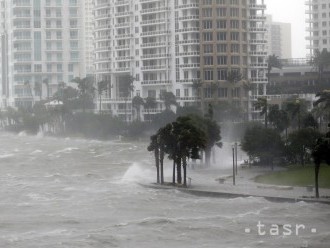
191,140
262,104
295,108
169,100
212,134
154,146
128,82
234,78
321,153
46,82
198,86
279,118
323,101
38,89
86,90
137,102
29,89
273,62
102,87
149,103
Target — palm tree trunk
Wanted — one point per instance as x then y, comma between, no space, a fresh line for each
184,164
208,152
157,162
173,179
178,171
162,165
317,170
100,103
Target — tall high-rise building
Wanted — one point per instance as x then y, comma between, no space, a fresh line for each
318,25
279,38
41,47
202,51
88,22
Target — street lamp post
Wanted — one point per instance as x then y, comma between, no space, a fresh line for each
233,148
236,158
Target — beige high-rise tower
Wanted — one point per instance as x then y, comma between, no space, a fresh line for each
174,45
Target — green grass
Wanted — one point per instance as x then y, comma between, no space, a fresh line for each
297,176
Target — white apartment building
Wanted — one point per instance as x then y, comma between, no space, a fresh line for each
318,25
279,38
161,44
42,46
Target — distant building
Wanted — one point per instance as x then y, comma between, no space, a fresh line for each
279,38
42,45
171,45
318,25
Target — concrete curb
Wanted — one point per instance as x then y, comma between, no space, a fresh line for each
229,195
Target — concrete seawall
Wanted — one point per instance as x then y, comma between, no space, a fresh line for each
231,195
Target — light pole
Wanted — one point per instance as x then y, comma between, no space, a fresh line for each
236,158
233,148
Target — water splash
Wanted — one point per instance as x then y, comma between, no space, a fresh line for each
137,173
22,134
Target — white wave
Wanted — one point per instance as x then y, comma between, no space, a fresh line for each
6,156
35,152
66,150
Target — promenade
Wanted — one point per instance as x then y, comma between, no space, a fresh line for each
214,182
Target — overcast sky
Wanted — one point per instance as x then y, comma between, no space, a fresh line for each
292,11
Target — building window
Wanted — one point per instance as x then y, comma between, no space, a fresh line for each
177,93
208,75
222,92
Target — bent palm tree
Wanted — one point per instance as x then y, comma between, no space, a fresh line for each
137,102
102,87
149,103
169,100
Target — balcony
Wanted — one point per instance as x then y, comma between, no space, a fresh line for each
258,6
152,22
156,82
154,10
156,56
155,68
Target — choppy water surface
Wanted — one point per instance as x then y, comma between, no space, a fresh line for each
80,193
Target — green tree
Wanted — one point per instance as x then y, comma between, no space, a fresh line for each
263,143
212,131
278,118
300,144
